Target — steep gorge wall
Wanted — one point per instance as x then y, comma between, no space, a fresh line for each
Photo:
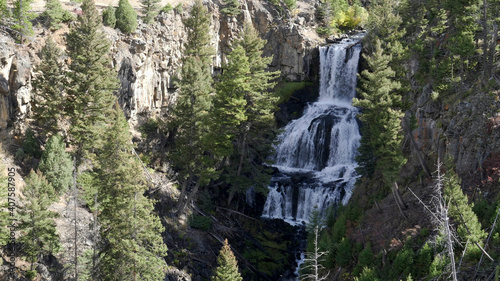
148,60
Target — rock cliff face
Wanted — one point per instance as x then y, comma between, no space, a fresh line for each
148,60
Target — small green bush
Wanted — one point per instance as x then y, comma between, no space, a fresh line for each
109,17
31,274
286,89
126,17
178,8
150,127
200,222
167,8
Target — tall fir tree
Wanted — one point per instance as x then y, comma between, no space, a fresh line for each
92,81
56,164
126,17
37,226
49,86
90,87
227,265
190,118
150,9
256,133
132,247
381,145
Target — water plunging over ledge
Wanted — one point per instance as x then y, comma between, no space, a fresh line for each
316,153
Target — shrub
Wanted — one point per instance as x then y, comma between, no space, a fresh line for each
200,222
126,17
167,8
178,8
286,89
108,17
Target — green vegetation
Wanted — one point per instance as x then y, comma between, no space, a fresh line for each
380,148
56,164
39,236
179,8
55,14
284,90
227,265
109,17
49,88
200,222
150,9
231,8
31,145
336,16
22,15
126,17
167,8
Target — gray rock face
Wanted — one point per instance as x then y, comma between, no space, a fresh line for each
15,81
148,60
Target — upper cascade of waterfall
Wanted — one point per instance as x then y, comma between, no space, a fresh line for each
338,72
327,134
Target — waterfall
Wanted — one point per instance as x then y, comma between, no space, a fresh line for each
316,153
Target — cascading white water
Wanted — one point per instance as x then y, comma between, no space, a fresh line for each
316,153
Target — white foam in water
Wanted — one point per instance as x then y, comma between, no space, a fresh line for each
316,153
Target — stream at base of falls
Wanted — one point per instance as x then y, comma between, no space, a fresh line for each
315,154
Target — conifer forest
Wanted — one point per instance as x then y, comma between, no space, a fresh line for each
259,140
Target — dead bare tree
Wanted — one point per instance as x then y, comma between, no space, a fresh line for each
313,262
441,219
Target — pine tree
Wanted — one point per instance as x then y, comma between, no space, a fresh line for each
227,266
468,226
231,8
91,80
22,18
109,17
133,248
380,147
255,134
150,9
55,13
56,164
38,228
89,93
126,17
49,87
190,118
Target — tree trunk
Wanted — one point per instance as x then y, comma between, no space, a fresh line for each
189,198
240,164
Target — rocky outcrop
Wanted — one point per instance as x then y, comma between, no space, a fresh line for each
148,60
15,81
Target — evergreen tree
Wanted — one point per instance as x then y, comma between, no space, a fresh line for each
256,133
38,228
468,226
190,118
4,11
90,87
132,248
22,15
108,17
31,146
55,13
380,147
56,164
126,17
48,86
150,9
231,8
91,81
227,265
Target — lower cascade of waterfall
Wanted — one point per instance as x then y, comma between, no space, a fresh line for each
315,155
